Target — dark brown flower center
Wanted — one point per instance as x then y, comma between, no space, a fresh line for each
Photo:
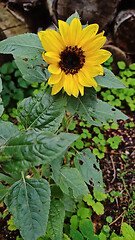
72,60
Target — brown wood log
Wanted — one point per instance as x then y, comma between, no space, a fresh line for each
118,55
124,31
102,12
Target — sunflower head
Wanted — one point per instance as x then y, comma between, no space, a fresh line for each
74,56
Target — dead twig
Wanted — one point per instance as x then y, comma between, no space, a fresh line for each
114,175
118,218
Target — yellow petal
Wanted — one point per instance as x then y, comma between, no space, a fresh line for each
94,70
87,33
75,31
57,87
85,79
66,84
51,40
54,68
54,78
79,86
65,32
93,45
99,57
75,86
50,57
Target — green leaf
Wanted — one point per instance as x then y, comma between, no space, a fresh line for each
6,178
74,15
89,107
33,70
26,45
11,225
99,195
85,161
1,107
3,191
132,66
128,231
1,104
102,236
105,112
81,105
36,147
56,220
43,111
7,130
98,208
29,202
76,235
84,212
109,80
68,202
86,229
65,237
71,182
0,85
74,220
121,65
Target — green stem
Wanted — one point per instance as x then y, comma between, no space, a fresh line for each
23,176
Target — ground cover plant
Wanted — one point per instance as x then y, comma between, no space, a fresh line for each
46,168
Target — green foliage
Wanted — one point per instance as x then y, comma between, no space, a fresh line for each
41,182
114,142
1,104
127,233
124,96
98,207
11,225
42,111
28,193
56,220
89,168
14,86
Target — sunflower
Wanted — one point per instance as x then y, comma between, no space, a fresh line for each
74,56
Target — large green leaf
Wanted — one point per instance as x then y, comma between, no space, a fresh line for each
0,85
3,191
69,203
81,105
35,147
7,130
33,70
43,111
109,80
29,202
86,163
105,112
56,220
72,183
1,107
90,108
26,45
1,104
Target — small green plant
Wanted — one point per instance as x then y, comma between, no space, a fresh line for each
121,97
